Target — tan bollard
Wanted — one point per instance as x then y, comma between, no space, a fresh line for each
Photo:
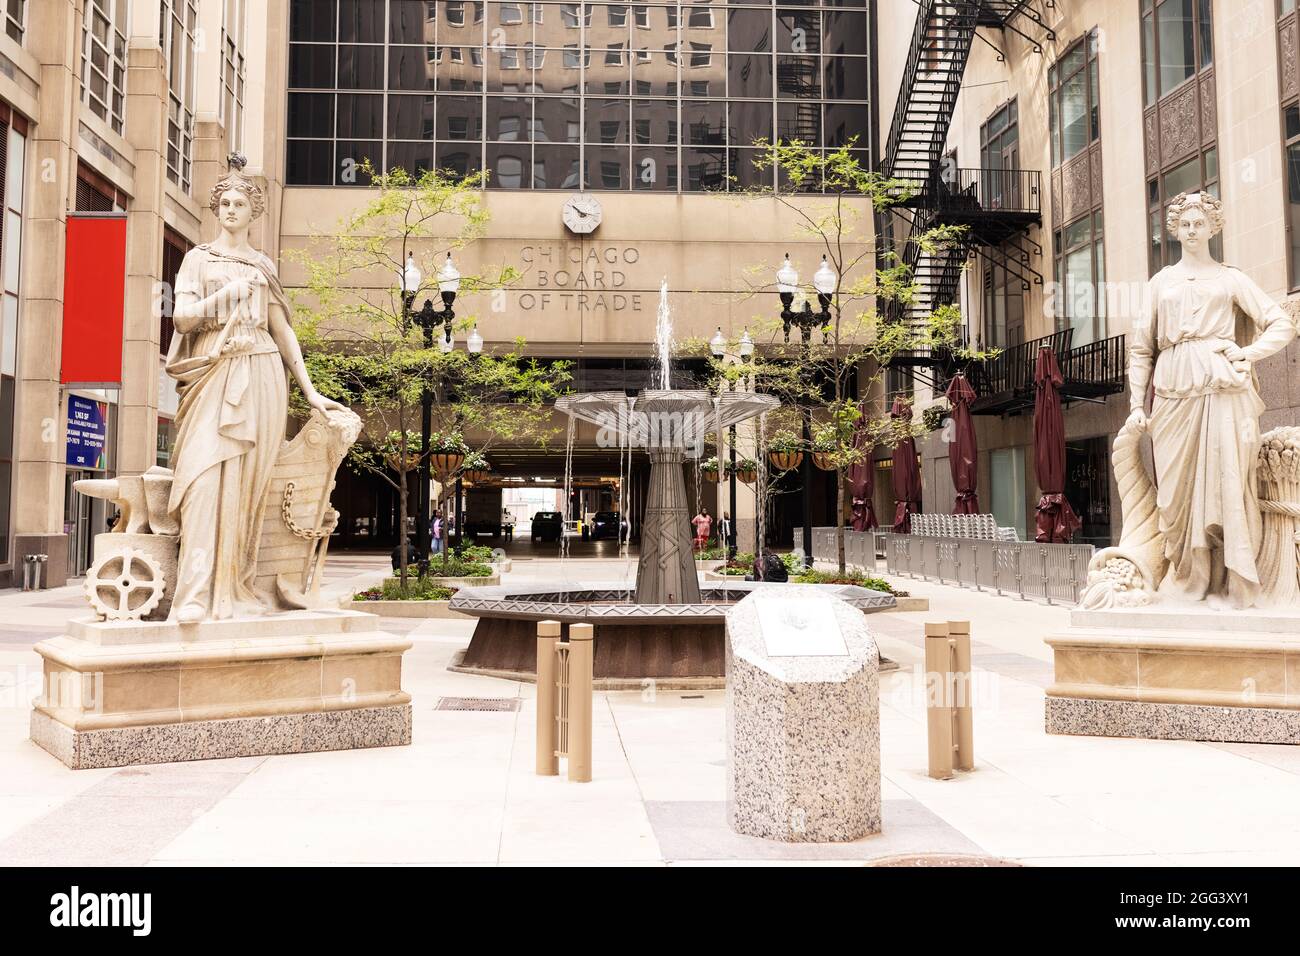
548,635
964,732
580,691
938,715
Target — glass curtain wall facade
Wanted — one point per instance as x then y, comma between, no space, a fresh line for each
602,96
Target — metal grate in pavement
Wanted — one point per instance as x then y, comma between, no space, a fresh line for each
478,703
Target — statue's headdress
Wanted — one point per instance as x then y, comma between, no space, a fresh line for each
235,179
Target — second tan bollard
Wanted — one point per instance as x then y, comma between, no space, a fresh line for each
580,691
964,730
548,760
938,713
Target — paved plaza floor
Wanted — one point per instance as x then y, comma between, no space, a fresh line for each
465,791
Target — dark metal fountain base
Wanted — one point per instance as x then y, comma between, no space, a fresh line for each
676,645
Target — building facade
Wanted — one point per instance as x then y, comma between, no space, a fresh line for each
1085,119
124,111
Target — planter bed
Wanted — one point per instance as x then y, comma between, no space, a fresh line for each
427,609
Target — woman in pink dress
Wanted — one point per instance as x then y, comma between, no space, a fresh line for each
703,526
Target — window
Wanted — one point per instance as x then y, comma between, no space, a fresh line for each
700,18
13,151
1004,308
1292,130
1080,274
1000,150
15,19
1074,109
370,78
103,60
176,34
1200,172
1177,42
1007,477
232,72
174,249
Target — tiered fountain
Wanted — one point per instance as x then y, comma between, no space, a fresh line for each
669,625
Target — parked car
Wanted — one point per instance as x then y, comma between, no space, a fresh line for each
548,526
605,524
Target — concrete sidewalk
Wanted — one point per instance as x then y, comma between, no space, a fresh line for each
465,791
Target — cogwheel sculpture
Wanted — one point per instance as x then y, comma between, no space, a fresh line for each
125,585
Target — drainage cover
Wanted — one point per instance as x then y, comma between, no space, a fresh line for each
478,703
941,859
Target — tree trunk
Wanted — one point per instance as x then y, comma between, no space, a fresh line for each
401,526
839,519
446,530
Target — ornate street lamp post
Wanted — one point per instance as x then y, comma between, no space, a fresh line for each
805,319
428,318
718,346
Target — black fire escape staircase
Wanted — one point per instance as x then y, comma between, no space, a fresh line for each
997,206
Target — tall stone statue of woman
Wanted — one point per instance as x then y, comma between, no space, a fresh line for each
232,346
1204,420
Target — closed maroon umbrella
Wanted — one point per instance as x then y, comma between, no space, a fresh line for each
1054,518
907,479
963,455
862,479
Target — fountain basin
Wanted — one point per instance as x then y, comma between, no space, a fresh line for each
672,644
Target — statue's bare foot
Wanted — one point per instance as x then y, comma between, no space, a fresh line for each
190,614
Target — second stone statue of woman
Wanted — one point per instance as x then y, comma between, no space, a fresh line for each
232,347
1204,420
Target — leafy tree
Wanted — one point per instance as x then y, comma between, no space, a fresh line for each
857,340
364,346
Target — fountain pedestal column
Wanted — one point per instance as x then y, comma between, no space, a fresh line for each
666,570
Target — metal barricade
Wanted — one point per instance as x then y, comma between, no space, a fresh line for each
564,692
1055,573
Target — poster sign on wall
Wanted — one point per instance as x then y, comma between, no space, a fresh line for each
94,294
87,445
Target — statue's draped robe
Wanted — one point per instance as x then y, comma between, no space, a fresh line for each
1204,426
230,426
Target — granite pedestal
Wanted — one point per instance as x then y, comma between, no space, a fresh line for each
1178,672
803,718
116,693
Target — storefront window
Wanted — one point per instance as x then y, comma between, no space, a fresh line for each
1087,488
1007,474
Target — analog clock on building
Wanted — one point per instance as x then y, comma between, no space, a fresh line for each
582,213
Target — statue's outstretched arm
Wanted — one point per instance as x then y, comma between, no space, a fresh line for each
291,352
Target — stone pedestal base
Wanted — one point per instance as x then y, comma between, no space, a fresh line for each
119,693
1182,673
803,731
1130,718
211,739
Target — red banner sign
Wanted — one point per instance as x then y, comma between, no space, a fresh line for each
94,299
